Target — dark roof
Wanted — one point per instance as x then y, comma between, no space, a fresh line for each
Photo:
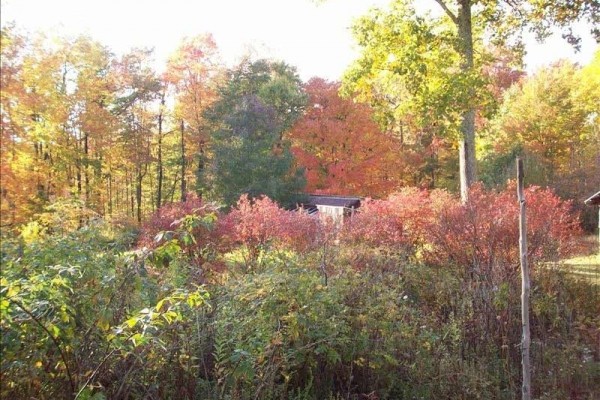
336,201
593,200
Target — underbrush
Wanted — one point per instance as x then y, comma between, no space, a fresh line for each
208,308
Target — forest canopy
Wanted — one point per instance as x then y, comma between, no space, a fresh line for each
80,123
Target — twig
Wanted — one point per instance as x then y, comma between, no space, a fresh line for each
94,373
54,340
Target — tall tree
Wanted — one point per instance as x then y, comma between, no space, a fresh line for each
342,148
13,197
56,113
250,154
91,117
546,116
193,69
159,156
393,44
552,120
138,88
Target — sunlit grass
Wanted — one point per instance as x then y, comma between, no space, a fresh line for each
587,267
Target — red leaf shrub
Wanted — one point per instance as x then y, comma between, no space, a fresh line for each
258,222
478,234
398,222
552,225
167,217
482,234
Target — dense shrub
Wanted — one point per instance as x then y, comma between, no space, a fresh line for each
169,216
398,222
282,333
484,233
78,316
194,228
432,312
59,295
278,332
479,236
260,222
477,242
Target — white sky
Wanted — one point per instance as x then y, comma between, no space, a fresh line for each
313,36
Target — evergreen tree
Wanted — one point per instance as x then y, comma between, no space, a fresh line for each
250,154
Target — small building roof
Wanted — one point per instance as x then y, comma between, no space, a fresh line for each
330,200
594,200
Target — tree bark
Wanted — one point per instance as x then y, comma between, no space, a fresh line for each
200,170
183,182
110,192
525,286
130,194
86,150
467,125
78,162
138,196
159,167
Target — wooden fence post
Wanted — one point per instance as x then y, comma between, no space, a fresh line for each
525,285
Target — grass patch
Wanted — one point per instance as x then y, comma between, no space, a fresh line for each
587,267
592,259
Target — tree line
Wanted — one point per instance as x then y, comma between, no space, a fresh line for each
79,122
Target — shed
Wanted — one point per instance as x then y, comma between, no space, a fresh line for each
337,207
594,200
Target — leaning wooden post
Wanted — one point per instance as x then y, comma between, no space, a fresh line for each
525,285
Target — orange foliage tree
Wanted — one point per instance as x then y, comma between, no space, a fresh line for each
342,148
193,70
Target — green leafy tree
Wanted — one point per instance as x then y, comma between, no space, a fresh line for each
551,119
250,154
435,62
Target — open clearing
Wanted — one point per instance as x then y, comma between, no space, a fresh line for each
585,267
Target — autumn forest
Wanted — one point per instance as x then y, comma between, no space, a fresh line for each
154,243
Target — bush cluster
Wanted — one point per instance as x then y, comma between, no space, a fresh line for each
417,296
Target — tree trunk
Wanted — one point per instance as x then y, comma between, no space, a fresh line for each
525,286
138,196
467,125
171,193
117,203
86,151
126,192
183,183
78,162
159,167
130,194
200,170
110,193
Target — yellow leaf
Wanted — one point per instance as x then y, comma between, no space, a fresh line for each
103,324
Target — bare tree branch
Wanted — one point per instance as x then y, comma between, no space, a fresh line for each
449,12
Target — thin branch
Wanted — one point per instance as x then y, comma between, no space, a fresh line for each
449,12
515,7
54,340
93,375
